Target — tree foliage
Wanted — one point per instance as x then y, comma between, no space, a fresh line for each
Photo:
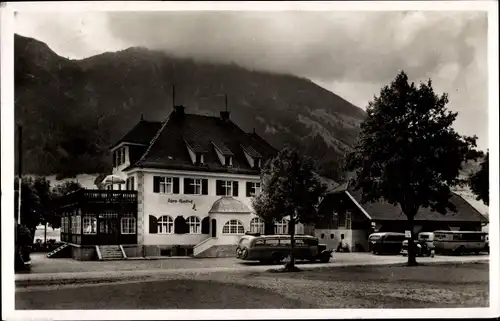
479,182
290,189
407,153
38,201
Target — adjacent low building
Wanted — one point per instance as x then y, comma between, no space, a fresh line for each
348,218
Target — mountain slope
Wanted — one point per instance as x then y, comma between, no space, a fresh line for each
73,110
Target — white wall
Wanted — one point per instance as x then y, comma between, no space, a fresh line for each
162,204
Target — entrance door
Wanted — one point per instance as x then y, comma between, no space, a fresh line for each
214,228
109,229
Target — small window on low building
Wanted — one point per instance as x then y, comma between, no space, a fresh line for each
322,235
332,236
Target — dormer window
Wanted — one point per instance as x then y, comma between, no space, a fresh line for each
224,154
195,151
257,163
253,157
199,159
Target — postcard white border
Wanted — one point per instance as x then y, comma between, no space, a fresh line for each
7,145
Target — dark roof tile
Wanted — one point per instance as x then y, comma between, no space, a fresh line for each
142,133
169,150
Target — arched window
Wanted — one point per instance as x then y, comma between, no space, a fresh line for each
281,227
194,224
257,225
233,227
127,223
165,225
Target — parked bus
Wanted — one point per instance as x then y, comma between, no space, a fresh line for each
459,242
274,248
385,242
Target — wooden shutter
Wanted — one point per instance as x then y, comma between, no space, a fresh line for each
204,186
249,189
205,225
153,225
156,184
219,191
176,185
235,188
188,187
180,225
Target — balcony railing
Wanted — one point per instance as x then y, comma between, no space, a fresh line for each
98,196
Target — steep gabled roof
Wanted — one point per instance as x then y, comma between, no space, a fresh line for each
142,133
168,150
385,211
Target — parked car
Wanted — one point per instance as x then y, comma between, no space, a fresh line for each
275,248
385,242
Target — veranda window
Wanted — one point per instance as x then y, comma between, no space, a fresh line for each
89,224
128,224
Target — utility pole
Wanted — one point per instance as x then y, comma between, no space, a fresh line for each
20,168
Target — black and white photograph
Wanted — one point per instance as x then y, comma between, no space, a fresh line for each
208,160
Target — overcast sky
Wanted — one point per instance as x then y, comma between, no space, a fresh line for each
350,53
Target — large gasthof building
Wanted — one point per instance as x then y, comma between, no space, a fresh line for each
183,187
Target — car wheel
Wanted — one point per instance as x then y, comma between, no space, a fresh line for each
325,259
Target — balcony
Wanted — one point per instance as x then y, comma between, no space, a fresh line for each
89,196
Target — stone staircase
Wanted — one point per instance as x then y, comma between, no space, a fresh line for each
58,252
110,252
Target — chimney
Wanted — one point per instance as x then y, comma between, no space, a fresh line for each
179,110
224,115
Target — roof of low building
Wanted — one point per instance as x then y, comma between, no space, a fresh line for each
382,210
228,204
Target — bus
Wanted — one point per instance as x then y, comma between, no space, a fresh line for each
275,248
459,242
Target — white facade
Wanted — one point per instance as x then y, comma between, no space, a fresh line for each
165,205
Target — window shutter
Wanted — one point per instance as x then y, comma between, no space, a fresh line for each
156,184
180,225
218,188
153,225
188,188
176,185
204,186
205,225
249,189
235,188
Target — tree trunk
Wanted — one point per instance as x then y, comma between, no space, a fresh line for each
412,253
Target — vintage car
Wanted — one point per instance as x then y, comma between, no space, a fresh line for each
275,248
385,242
